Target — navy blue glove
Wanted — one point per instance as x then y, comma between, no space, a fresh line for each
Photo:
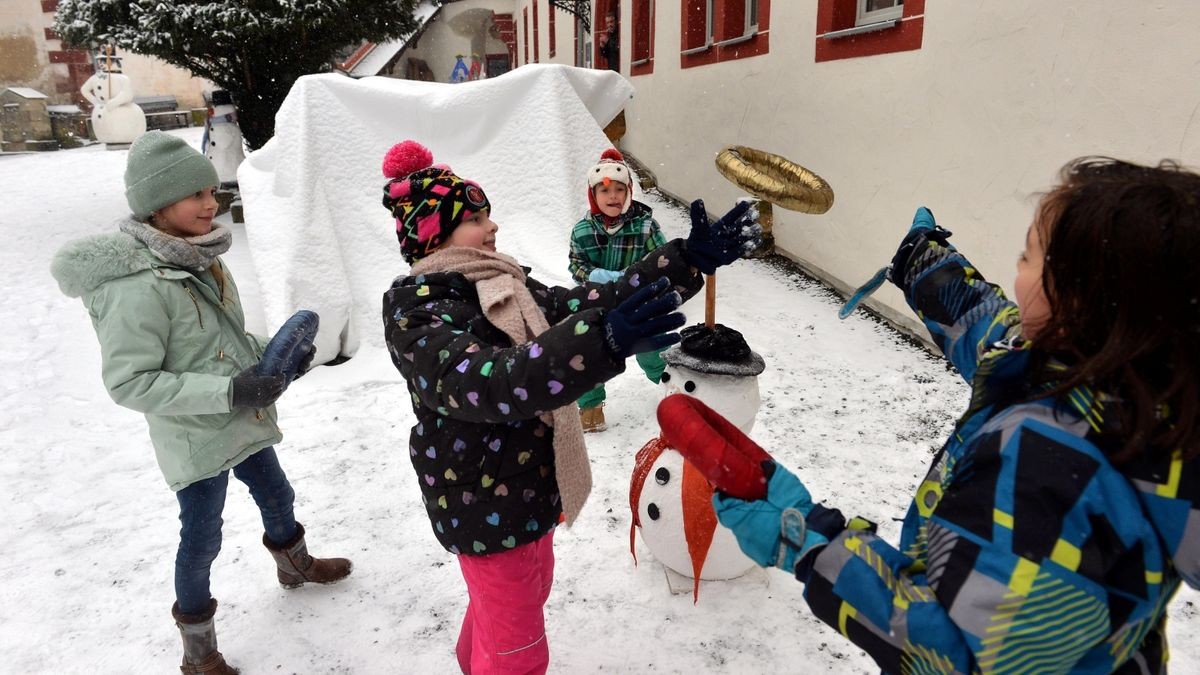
780,529
645,321
710,246
306,362
924,229
290,352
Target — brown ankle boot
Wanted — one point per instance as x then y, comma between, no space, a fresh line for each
199,635
592,419
296,566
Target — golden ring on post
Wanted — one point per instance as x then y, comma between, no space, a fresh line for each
775,179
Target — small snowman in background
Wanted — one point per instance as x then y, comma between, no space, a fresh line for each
222,136
116,120
671,499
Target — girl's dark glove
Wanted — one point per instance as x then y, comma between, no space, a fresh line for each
256,391
645,321
711,245
923,230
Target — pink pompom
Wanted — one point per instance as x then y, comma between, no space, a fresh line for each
406,157
613,154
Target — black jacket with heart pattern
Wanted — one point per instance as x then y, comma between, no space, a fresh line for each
483,457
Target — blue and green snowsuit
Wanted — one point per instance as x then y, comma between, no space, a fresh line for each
1024,549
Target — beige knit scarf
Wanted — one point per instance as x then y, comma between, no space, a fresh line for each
509,306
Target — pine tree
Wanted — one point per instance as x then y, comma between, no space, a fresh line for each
255,49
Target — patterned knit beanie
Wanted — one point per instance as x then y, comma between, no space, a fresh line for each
162,169
610,169
427,200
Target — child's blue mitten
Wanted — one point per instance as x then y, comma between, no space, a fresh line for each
291,349
774,531
603,276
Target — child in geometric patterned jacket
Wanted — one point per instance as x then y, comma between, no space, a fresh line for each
1063,513
494,361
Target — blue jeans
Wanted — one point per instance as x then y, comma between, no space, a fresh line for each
200,507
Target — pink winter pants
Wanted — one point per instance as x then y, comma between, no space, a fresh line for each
504,630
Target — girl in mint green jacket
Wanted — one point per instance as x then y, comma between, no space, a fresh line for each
174,347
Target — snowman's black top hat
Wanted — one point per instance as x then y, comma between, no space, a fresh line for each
719,350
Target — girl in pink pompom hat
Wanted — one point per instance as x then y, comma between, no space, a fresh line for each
494,361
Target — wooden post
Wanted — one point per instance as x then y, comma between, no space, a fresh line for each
710,300
766,219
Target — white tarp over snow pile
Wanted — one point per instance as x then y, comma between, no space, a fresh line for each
321,240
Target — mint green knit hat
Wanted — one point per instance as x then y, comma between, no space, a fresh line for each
161,170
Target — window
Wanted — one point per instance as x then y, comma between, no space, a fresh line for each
525,30
723,30
553,31
583,45
642,56
697,25
873,11
606,34
849,29
536,51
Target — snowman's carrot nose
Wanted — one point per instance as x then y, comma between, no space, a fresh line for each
718,449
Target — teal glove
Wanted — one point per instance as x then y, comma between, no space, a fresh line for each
924,229
603,276
923,220
774,531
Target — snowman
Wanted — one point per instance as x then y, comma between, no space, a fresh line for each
670,498
116,119
223,137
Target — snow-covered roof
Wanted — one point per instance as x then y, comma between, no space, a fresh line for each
26,92
383,53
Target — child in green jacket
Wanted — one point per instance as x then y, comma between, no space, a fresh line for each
616,233
174,346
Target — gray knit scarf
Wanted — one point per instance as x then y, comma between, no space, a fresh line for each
509,306
193,253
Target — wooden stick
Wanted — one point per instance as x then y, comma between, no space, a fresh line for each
710,300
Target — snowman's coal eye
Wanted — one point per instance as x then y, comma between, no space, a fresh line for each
665,377
652,511
689,386
662,476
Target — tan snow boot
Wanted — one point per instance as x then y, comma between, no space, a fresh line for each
592,419
199,635
296,566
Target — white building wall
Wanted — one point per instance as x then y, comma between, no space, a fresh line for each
24,60
974,124
154,77
564,31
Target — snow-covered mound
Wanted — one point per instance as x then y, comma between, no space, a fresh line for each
321,239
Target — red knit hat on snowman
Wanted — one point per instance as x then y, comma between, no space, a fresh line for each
610,169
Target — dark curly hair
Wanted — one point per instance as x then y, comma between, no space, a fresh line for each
1122,277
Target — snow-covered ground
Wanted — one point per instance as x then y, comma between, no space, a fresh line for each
89,528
